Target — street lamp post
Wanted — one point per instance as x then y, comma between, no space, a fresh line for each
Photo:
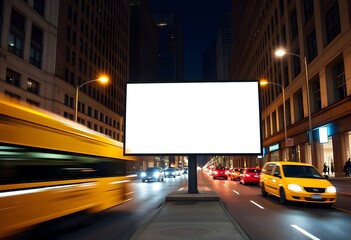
264,83
102,79
281,53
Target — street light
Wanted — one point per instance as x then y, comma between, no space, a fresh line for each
264,82
280,53
103,79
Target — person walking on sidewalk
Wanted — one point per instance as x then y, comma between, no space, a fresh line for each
347,168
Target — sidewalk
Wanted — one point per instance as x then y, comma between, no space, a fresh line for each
191,216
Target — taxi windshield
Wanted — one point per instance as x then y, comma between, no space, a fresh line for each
301,172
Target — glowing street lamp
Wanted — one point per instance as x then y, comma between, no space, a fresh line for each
264,82
103,79
280,53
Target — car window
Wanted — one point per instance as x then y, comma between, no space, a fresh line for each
152,169
276,170
301,172
267,169
254,170
220,168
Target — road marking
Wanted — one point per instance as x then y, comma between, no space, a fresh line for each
305,232
236,192
180,189
225,185
258,205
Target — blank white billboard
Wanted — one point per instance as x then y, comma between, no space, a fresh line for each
193,118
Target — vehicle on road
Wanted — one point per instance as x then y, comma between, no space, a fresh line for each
250,175
294,181
51,167
236,173
152,174
170,172
220,172
178,171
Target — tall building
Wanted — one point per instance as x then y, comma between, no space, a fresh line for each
48,48
144,43
170,48
320,32
224,46
209,64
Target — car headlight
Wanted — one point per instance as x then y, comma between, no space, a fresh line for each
156,174
143,174
330,189
173,173
294,187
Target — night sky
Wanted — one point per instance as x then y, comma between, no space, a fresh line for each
200,19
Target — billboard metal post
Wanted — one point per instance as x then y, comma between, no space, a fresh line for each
192,180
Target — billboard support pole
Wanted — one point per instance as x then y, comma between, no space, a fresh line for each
192,180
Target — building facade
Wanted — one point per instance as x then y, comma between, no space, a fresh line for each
48,48
317,91
224,46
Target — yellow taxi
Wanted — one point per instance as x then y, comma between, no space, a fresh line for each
294,181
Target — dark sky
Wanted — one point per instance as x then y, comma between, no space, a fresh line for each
200,19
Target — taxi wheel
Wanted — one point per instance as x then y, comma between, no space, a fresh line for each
282,198
263,191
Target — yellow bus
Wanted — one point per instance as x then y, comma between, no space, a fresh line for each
51,167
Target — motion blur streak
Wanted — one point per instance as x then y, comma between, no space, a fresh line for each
52,167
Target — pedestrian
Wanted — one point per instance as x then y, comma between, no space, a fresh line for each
332,167
325,168
347,167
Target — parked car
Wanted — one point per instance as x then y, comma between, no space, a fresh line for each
294,181
236,173
152,174
220,172
170,172
250,175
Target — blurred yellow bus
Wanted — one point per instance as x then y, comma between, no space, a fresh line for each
51,167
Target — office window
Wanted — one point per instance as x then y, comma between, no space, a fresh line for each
90,111
339,80
39,6
316,101
16,34
312,50
332,22
288,112
274,122
293,25
32,103
96,115
12,95
36,47
33,86
13,77
296,64
298,106
308,9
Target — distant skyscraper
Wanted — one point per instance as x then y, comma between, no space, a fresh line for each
49,47
209,65
143,43
170,48
224,46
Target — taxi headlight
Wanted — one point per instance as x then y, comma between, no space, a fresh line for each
294,187
330,189
143,174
